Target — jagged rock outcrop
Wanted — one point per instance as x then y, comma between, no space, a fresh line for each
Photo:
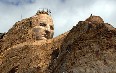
89,47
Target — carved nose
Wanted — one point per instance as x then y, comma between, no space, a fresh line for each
48,28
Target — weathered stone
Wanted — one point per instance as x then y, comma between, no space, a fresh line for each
95,19
29,29
89,47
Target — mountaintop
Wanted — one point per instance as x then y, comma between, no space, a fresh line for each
89,47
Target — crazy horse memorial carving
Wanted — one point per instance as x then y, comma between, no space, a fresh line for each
29,47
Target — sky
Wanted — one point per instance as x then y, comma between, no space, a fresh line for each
65,13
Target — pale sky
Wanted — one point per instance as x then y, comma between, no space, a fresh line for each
65,13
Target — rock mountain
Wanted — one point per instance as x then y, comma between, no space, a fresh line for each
89,47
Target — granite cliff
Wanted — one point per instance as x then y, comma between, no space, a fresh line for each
89,47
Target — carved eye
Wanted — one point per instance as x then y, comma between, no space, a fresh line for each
51,27
43,24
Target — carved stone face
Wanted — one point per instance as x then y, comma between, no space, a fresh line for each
44,28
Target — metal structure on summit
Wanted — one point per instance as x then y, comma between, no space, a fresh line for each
44,11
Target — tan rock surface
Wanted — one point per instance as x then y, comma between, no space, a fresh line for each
29,57
22,31
89,47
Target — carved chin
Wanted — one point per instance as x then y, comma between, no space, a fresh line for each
51,36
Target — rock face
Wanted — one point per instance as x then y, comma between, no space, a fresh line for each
22,31
89,47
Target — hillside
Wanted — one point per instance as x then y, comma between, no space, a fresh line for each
89,47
